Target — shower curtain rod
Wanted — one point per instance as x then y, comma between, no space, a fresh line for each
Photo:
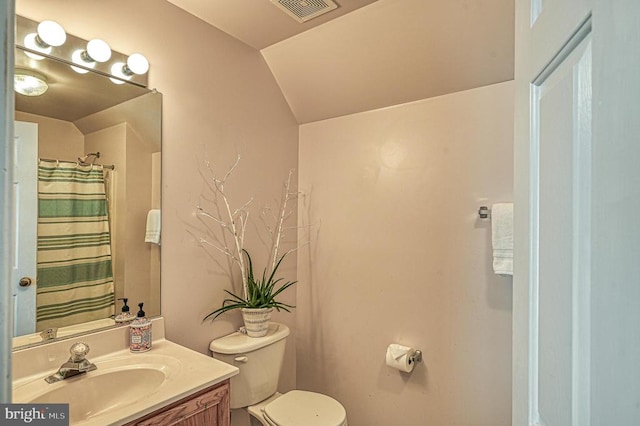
106,166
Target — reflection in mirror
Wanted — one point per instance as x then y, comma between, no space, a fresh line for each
85,143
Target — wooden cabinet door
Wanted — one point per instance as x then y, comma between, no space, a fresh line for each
208,407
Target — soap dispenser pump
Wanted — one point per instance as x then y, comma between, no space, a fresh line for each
124,315
140,332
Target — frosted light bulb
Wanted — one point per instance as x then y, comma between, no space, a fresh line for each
76,58
51,33
117,70
98,50
137,64
31,43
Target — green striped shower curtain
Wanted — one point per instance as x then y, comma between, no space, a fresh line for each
75,279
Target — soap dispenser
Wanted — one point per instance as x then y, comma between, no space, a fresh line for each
140,332
124,316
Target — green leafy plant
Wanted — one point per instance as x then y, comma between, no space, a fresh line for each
261,292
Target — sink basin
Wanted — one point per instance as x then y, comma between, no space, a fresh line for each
93,395
117,382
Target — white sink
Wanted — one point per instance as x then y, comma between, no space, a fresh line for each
125,386
117,382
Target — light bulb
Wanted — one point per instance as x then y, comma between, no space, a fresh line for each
117,70
76,58
97,50
137,64
51,33
31,43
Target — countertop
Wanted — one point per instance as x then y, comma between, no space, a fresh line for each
187,372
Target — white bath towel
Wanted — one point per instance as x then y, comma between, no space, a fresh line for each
153,227
502,238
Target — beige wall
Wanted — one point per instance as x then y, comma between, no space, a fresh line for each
111,142
121,146
219,99
139,201
156,199
398,254
57,139
135,194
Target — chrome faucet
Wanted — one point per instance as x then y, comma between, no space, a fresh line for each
76,364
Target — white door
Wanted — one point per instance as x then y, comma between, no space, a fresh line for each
577,228
23,273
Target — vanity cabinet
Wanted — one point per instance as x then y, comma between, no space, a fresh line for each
209,407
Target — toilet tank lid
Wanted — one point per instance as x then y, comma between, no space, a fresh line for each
236,343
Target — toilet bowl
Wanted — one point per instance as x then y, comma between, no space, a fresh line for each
259,360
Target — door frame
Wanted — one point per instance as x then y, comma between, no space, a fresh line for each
7,18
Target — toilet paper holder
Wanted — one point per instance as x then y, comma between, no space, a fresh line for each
415,357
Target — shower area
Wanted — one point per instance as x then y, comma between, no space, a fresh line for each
74,261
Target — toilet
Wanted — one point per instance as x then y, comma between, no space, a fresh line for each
254,387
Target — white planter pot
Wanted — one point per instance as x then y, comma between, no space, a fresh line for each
256,321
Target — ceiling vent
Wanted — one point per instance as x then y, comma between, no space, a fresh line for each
304,10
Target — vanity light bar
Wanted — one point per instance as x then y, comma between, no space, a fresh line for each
49,39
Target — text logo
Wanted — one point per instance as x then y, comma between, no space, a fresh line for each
34,414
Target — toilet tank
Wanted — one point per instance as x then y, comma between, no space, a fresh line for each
259,360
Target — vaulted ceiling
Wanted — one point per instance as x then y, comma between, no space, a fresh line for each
370,54
259,23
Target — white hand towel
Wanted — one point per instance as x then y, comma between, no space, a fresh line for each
152,234
502,238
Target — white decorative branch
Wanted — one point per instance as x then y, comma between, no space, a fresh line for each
277,233
235,222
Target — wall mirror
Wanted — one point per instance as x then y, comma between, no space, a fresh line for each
96,124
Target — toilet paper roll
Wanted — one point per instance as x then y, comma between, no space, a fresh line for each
398,357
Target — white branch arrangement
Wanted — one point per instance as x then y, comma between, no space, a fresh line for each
235,220
277,232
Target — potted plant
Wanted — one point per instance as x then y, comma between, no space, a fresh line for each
260,300
259,294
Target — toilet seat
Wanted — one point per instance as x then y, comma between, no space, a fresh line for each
297,408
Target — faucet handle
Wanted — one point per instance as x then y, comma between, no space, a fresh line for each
49,333
79,351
